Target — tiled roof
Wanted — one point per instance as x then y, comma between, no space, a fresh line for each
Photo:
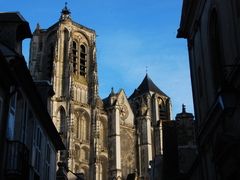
146,86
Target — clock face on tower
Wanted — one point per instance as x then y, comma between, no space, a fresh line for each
123,111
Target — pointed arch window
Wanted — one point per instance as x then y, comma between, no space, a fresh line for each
50,62
62,124
103,132
77,149
83,60
82,125
74,52
84,153
79,59
137,108
162,109
103,168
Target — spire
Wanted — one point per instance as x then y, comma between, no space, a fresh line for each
65,13
183,108
146,86
112,92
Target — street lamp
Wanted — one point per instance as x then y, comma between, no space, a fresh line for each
227,96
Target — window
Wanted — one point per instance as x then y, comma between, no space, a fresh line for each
77,149
215,50
162,112
82,125
62,127
74,52
103,168
11,116
103,133
83,61
84,128
25,123
137,109
37,151
48,161
50,63
79,59
84,153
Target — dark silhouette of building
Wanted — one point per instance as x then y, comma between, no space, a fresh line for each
179,147
187,149
212,32
29,140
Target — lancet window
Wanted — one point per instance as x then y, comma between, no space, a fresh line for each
50,62
74,61
103,132
62,124
83,125
83,61
79,59
162,109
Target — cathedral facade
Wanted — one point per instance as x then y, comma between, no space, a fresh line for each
111,138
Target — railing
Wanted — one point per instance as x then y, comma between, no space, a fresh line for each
16,160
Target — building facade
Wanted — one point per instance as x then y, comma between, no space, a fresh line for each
187,149
29,140
111,138
211,29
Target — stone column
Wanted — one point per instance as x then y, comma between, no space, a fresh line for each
146,145
115,171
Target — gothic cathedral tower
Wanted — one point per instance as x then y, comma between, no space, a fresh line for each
113,138
65,56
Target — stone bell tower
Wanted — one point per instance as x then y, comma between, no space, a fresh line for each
151,107
64,56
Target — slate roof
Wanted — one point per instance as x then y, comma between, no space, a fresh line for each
23,28
11,17
146,86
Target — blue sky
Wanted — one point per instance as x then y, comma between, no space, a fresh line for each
132,35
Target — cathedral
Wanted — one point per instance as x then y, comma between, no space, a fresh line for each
111,138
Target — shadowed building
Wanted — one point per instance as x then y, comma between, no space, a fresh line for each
187,149
29,141
212,32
